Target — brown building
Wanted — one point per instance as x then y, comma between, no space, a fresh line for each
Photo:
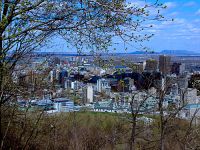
164,64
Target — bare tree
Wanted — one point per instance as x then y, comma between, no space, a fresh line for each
27,25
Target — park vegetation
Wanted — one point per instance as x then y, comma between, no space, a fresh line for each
28,25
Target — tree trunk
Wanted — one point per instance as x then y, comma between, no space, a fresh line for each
162,126
1,85
132,141
133,131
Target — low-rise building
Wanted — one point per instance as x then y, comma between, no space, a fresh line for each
63,105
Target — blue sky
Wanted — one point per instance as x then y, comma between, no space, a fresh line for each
184,32
181,34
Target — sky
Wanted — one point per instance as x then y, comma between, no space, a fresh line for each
181,34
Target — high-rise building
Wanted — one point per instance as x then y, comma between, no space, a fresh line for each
164,64
177,68
90,93
151,65
51,75
183,82
62,76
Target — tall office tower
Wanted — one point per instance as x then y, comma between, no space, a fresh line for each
151,65
51,75
90,93
62,76
164,64
178,68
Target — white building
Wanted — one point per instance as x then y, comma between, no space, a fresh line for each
103,86
90,93
51,75
67,84
182,68
63,105
57,74
75,85
191,96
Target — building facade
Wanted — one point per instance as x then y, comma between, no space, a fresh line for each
164,64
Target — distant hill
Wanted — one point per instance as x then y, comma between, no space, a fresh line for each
163,52
143,52
179,52
169,52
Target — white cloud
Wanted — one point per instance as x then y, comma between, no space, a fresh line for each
179,21
174,14
153,31
197,20
198,12
180,28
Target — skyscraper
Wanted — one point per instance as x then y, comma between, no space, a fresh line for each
178,68
164,64
90,93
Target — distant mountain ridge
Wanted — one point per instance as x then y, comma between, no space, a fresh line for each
163,52
169,52
179,52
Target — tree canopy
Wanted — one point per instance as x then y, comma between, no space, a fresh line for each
27,24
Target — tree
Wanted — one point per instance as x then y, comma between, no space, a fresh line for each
27,25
